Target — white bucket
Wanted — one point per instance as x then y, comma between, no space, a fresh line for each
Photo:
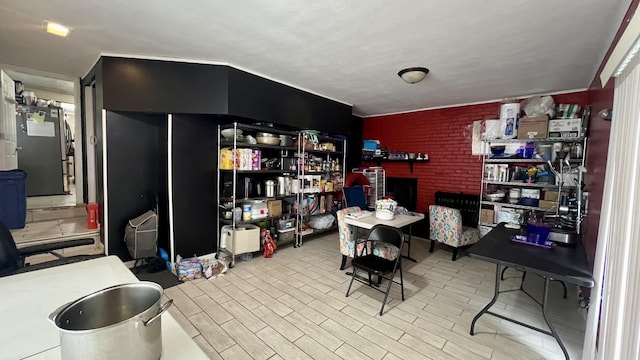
509,114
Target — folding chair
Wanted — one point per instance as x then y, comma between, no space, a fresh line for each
377,265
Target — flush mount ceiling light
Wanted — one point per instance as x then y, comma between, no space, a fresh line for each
413,75
57,29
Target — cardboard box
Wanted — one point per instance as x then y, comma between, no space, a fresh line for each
486,216
553,195
547,204
533,127
274,207
565,128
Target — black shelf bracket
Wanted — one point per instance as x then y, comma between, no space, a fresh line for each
410,161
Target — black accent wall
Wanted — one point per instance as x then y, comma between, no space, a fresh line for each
164,86
254,97
140,93
194,166
354,143
134,173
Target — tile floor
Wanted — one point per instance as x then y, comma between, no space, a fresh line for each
293,306
40,202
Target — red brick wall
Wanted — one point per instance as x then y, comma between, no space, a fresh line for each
444,134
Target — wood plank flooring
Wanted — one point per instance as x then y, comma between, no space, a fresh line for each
293,306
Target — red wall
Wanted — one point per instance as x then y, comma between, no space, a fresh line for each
600,98
444,134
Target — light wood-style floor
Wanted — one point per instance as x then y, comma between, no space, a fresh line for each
41,202
293,306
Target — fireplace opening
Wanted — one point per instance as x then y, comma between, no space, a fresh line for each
404,191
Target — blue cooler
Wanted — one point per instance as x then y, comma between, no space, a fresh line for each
13,198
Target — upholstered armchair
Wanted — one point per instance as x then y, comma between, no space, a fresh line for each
347,235
446,228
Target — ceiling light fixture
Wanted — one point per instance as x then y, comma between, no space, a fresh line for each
57,29
413,75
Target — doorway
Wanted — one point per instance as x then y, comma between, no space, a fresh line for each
46,139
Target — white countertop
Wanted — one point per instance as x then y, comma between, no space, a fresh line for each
26,300
398,221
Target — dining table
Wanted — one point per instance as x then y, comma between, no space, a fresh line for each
399,221
27,299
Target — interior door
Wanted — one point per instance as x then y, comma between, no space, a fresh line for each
8,144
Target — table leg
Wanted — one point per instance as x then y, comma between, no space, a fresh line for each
545,294
496,292
408,256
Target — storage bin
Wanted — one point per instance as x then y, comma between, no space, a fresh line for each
286,235
13,198
247,238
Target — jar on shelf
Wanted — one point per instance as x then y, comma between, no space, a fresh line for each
503,172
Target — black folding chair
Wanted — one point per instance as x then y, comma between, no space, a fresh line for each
379,266
13,260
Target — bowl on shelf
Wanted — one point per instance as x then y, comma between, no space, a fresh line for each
230,133
267,140
529,201
497,196
498,150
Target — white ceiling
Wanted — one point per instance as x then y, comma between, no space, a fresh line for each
350,51
43,82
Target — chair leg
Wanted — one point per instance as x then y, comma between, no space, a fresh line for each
379,279
455,254
433,244
386,295
344,262
401,284
353,276
369,279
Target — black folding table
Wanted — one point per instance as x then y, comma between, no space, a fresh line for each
565,263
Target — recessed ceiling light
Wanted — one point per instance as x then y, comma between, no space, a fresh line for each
57,29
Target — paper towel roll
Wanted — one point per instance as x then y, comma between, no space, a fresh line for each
509,114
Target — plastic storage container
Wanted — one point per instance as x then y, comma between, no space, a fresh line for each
247,238
13,198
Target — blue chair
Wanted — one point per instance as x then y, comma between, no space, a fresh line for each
354,196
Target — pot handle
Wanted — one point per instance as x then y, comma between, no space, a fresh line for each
162,309
56,312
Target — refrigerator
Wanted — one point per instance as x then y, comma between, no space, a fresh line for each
40,144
